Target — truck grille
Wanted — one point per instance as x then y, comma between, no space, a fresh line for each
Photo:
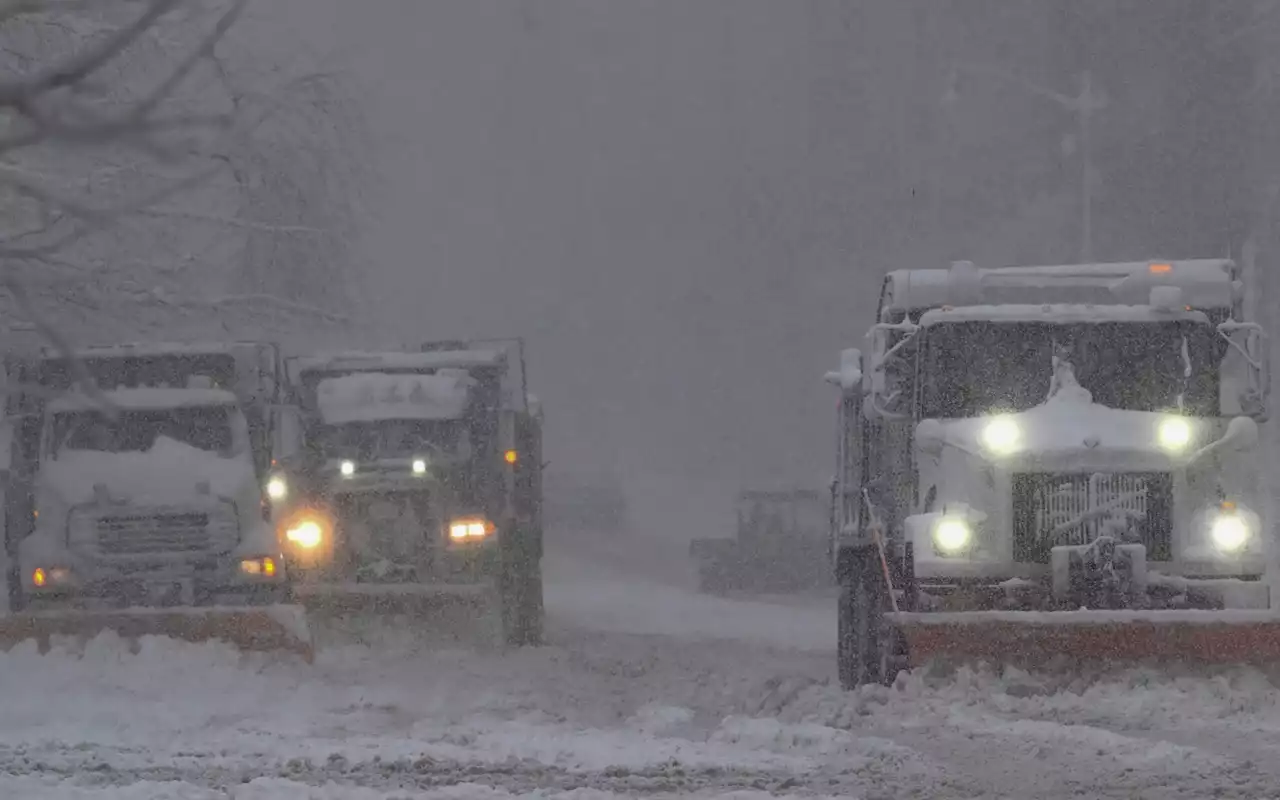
155,534
1043,502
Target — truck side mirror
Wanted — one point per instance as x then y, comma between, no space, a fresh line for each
849,376
889,347
1246,370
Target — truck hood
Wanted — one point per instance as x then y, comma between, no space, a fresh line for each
1070,430
171,472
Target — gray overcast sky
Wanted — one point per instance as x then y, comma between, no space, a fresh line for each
621,182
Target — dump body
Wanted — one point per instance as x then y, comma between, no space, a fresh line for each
1044,440
412,476
136,483
781,545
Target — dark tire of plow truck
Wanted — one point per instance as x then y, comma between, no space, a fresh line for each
869,649
520,589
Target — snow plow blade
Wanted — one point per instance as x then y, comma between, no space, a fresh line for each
391,599
428,613
250,628
1032,640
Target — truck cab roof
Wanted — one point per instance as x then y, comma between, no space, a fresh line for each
1062,313
356,361
1201,283
145,398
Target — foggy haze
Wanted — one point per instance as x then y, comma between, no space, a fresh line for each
687,207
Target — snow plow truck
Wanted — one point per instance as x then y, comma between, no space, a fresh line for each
1046,463
409,483
135,496
781,545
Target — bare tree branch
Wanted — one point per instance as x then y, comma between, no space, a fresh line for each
53,110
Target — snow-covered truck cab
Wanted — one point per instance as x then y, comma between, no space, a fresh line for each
413,469
146,484
1053,437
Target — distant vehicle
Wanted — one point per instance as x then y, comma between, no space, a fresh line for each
781,545
135,495
408,481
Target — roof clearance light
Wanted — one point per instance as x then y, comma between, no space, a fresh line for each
511,456
1160,268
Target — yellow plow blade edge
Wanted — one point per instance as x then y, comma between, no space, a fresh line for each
1031,639
253,628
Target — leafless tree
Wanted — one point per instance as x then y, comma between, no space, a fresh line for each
74,142
150,160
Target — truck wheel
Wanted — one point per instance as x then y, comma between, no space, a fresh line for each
712,580
17,600
521,601
868,650
531,612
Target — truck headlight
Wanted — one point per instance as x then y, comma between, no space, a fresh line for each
1002,436
471,528
306,534
277,488
265,566
1174,434
1229,532
951,535
347,468
42,578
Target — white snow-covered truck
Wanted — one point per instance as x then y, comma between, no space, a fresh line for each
410,483
1037,462
135,500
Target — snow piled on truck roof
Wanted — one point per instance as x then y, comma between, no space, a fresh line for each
1059,313
375,396
145,398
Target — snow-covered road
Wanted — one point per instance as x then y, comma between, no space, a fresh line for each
644,691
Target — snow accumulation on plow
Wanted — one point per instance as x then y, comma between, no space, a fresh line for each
1031,639
254,628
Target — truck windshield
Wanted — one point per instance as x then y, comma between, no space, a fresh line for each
388,438
974,368
208,428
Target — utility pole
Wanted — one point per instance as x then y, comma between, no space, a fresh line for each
1084,108
1083,105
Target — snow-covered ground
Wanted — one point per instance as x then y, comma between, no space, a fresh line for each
646,690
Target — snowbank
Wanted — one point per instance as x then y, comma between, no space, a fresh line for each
373,396
166,474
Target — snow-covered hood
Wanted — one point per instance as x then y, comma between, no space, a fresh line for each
170,473
1071,431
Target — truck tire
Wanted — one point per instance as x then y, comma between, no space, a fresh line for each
868,650
713,580
520,593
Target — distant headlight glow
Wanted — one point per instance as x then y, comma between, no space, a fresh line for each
347,468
